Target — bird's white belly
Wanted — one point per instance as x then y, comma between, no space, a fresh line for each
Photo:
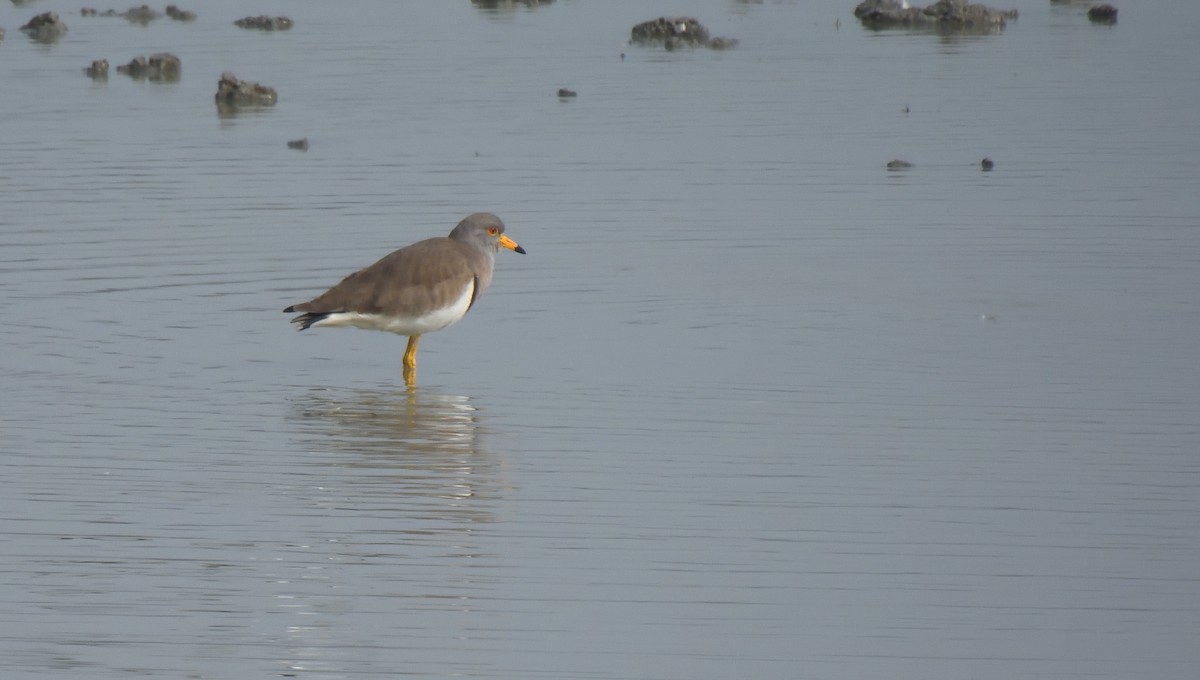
428,322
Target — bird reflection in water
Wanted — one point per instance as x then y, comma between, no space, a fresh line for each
425,444
395,493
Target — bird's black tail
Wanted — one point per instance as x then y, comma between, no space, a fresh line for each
306,319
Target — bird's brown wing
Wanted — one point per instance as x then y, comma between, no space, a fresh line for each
427,275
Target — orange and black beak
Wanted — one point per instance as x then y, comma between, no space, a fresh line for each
511,244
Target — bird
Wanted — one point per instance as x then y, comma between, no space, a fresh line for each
418,289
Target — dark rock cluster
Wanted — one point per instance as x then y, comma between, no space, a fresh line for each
45,27
673,33
163,67
234,93
1102,14
509,4
180,14
141,15
98,70
944,15
265,23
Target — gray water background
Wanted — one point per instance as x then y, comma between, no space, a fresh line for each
751,407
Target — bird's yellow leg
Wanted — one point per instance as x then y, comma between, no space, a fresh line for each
410,354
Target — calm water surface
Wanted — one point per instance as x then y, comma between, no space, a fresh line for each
751,407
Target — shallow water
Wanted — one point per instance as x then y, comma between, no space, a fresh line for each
752,405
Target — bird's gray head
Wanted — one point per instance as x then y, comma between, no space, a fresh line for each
486,232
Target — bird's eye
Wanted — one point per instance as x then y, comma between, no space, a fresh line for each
492,231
